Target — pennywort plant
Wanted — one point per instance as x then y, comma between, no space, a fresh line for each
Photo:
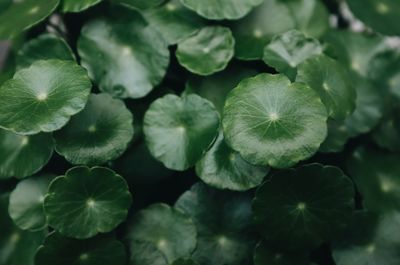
199,132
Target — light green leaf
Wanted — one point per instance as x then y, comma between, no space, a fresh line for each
222,9
26,203
43,97
85,202
332,82
207,52
270,121
99,133
170,230
33,152
22,15
316,204
178,130
123,54
223,220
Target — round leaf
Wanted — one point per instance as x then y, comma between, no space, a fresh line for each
331,82
86,201
170,230
78,5
123,54
43,97
222,9
207,52
22,15
382,15
174,21
265,254
223,168
377,177
370,239
99,133
179,130
216,87
22,156
17,247
254,31
270,121
146,253
26,203
316,204
286,51
336,139
223,220
67,251
44,47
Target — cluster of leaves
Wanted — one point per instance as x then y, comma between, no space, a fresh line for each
291,124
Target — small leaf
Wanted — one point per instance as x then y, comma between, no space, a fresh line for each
179,130
86,202
124,56
17,247
26,203
316,205
382,16
222,9
369,239
44,47
207,52
33,152
377,177
223,220
78,5
99,133
266,254
286,51
223,168
174,21
23,15
43,97
66,251
170,230
270,121
328,78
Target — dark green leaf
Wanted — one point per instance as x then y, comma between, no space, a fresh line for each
78,5
265,254
138,4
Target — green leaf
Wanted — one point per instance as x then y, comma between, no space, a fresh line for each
184,262
370,239
78,5
270,121
381,16
174,21
87,201
169,230
207,52
331,81
265,254
99,133
139,4
179,130
44,47
377,177
67,251
123,54
222,9
286,51
223,168
22,156
146,253
386,135
17,247
255,31
23,15
317,204
43,97
223,220
26,203
355,50
216,87
337,137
